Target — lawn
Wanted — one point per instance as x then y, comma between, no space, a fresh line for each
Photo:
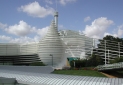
80,73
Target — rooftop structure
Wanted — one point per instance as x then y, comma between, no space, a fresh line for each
55,79
56,19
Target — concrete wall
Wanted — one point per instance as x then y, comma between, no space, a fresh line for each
33,69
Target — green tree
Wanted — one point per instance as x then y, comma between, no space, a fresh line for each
78,63
109,37
94,60
117,60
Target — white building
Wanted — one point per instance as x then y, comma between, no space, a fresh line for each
109,50
54,48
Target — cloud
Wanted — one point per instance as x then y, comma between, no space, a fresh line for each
2,26
106,33
42,31
61,27
35,10
118,32
98,27
21,29
4,38
87,19
25,39
64,2
49,1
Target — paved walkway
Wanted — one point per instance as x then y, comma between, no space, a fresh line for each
109,76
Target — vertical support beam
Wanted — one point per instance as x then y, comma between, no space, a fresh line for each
74,64
93,46
105,52
119,48
52,58
56,5
108,55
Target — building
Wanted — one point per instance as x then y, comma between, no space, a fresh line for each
53,49
18,54
109,50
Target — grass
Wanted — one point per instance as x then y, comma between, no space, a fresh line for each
80,73
120,72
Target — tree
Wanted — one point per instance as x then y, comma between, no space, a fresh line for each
78,63
117,60
109,37
94,60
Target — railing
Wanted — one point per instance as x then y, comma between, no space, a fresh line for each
110,66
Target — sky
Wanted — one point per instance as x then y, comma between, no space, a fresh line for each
25,21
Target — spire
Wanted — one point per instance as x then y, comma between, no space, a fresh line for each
56,19
56,5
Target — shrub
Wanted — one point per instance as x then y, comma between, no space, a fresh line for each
37,64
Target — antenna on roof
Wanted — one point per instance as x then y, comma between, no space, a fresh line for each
56,5
56,16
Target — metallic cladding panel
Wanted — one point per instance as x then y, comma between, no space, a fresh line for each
50,47
55,79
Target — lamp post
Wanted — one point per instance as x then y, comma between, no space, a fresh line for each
52,58
74,64
108,55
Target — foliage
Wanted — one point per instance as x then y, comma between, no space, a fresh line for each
80,72
109,40
117,60
94,60
37,64
78,63
109,37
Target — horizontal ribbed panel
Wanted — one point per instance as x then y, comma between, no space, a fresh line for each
19,59
75,44
50,47
55,79
18,49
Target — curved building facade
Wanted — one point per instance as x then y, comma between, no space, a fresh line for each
50,47
76,44
54,48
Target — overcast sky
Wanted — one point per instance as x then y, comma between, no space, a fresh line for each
28,20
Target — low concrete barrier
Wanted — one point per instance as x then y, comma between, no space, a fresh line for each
34,69
114,66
